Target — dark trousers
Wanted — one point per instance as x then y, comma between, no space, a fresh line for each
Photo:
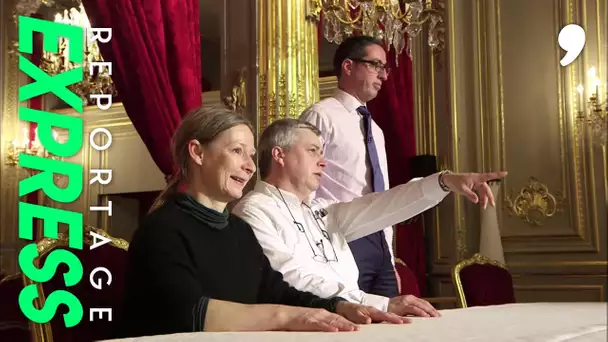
376,272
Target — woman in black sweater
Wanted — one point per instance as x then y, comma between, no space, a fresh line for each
194,267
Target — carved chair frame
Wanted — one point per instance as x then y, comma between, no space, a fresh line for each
476,259
43,332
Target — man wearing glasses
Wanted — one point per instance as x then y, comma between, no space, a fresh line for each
355,153
307,240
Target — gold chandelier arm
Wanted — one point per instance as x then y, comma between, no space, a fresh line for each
315,12
350,21
397,14
426,15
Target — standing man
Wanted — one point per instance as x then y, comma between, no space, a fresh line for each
355,153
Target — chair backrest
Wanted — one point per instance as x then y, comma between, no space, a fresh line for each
111,256
409,283
14,326
480,281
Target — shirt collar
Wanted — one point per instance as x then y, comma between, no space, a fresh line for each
347,100
273,191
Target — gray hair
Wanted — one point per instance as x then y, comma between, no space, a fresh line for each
281,133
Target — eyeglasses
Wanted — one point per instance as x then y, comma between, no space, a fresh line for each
376,65
320,245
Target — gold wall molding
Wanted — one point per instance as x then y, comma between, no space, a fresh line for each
327,86
534,203
288,73
568,263
569,293
562,267
482,96
11,78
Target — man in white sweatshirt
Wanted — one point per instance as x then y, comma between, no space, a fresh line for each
307,240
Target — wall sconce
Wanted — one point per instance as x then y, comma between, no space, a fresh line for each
27,146
594,113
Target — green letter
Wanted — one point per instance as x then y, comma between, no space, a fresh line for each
51,32
29,253
44,315
44,180
46,121
44,83
51,218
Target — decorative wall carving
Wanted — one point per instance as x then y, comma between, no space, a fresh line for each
534,203
237,100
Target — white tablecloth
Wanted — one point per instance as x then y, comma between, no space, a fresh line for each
534,322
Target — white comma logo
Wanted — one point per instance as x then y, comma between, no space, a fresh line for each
572,39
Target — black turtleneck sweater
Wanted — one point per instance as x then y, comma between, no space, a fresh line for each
185,254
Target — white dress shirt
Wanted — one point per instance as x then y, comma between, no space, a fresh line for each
347,174
298,250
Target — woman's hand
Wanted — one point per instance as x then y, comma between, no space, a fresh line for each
362,314
307,319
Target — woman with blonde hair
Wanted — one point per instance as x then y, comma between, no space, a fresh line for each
194,267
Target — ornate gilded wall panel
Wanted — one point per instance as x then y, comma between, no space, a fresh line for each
568,288
551,200
504,102
288,69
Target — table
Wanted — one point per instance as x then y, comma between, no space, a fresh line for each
530,322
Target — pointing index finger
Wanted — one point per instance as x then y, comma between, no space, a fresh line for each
486,177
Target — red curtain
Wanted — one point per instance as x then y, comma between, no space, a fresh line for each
155,55
393,111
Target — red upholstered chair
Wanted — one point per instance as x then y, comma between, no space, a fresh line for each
112,256
480,281
409,283
14,326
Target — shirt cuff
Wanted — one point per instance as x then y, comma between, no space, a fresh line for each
431,189
378,302
328,304
199,312
333,303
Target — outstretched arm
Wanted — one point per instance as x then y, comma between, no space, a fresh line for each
368,214
364,215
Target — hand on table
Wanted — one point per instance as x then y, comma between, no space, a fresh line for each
411,305
362,314
309,319
473,185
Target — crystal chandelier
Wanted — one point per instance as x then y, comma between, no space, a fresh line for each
387,20
28,146
29,7
595,117
56,63
98,83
